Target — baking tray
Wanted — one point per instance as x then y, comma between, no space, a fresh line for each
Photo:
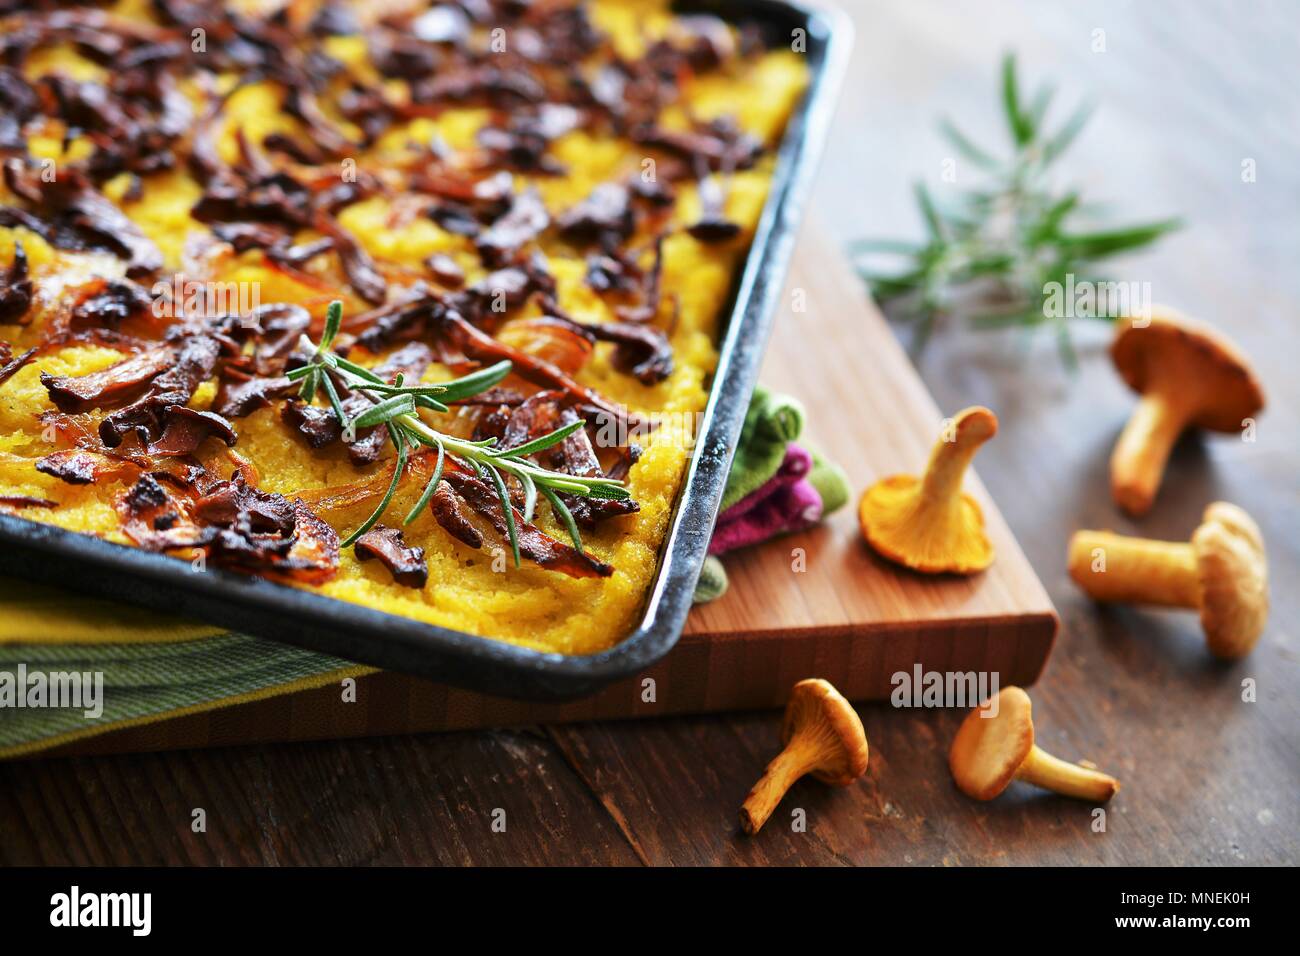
278,612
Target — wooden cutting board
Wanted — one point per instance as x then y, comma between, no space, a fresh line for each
817,604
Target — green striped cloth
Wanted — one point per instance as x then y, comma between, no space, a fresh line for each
145,681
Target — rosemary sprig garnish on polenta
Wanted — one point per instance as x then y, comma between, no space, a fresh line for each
396,407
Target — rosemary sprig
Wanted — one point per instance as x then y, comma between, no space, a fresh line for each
396,406
994,251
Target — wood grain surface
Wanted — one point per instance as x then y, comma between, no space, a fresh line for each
1187,91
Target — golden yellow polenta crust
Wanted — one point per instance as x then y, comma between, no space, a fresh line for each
466,589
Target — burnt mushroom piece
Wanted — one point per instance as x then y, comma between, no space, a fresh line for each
405,563
1188,375
1222,571
823,736
16,289
11,365
995,745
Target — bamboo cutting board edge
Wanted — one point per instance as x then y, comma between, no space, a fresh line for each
741,673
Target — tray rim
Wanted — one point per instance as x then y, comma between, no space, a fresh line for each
328,625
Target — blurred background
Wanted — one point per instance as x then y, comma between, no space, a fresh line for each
1184,93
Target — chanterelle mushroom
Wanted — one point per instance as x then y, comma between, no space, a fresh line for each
823,736
1222,571
995,745
1189,376
929,524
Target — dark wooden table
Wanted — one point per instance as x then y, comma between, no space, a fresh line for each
1187,93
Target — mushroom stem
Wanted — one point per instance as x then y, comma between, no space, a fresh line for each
950,458
787,767
1115,567
1068,779
1138,462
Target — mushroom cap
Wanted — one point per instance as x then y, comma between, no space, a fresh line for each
819,713
988,750
1192,359
933,541
1233,572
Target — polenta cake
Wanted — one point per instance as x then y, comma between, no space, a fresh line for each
409,304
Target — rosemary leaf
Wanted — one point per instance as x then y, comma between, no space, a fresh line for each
964,146
402,451
333,320
1097,245
385,411
506,509
307,390
475,382
1022,130
608,492
530,494
359,370
544,442
565,515
333,396
429,489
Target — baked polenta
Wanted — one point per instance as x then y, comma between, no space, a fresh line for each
543,203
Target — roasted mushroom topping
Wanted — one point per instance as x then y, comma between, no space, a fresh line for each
69,213
406,564
543,413
18,502
604,217
713,226
445,270
525,221
534,544
110,387
10,364
641,351
191,360
82,466
319,426
357,263
110,304
242,393
719,144
184,429
448,510
522,143
238,527
15,289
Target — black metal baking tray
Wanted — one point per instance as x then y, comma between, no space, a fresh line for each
263,608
